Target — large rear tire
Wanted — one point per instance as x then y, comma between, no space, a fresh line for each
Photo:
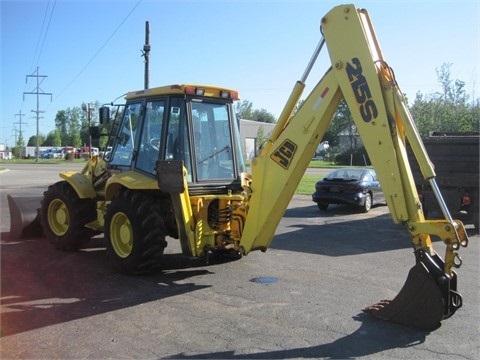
134,232
64,215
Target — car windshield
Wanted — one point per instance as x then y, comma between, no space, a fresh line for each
345,175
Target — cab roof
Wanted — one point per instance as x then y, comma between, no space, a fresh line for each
185,89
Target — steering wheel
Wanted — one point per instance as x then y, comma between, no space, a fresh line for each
155,143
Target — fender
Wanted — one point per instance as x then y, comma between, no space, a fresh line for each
130,180
80,183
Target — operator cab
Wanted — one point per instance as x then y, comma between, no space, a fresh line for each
195,124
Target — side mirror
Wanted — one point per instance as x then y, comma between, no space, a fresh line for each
94,132
104,115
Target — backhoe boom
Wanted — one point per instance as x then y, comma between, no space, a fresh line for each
360,76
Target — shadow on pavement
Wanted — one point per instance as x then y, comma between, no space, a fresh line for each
373,336
41,286
330,233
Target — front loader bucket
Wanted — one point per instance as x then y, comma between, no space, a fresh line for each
425,299
24,216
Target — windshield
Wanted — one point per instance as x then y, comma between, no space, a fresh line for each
346,174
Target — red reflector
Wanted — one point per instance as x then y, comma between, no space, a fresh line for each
234,95
466,200
189,90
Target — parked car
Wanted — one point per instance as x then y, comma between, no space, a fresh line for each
354,186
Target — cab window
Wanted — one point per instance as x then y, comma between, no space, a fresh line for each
126,137
178,145
150,138
212,138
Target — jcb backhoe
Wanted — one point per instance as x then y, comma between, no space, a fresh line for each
176,168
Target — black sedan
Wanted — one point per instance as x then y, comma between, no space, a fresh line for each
354,186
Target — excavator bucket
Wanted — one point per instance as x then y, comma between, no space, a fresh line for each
24,216
425,299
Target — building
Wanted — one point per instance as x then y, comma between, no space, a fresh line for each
5,154
249,134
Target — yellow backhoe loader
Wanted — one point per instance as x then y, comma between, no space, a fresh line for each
176,168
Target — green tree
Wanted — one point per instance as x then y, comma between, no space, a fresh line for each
68,122
32,141
53,139
261,139
20,141
262,115
449,110
88,118
62,125
75,125
342,121
17,149
243,109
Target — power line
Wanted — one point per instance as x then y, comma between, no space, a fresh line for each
37,54
98,51
46,32
40,34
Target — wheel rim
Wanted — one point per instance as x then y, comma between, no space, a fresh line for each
121,235
368,203
58,217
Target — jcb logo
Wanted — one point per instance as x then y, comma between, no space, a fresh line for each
283,155
368,109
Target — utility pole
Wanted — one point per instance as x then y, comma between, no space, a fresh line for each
20,122
37,92
89,108
15,136
146,54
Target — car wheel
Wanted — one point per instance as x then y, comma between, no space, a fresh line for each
322,205
368,203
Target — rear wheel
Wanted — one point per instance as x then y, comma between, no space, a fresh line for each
322,205
64,215
134,232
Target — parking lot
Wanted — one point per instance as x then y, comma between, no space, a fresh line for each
300,299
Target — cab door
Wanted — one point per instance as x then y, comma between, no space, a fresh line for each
124,148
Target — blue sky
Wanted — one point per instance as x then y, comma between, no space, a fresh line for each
91,50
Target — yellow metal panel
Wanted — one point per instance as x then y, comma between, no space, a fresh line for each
353,50
130,180
278,170
80,183
211,91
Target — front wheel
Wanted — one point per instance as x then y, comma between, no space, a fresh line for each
64,215
134,232
368,203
